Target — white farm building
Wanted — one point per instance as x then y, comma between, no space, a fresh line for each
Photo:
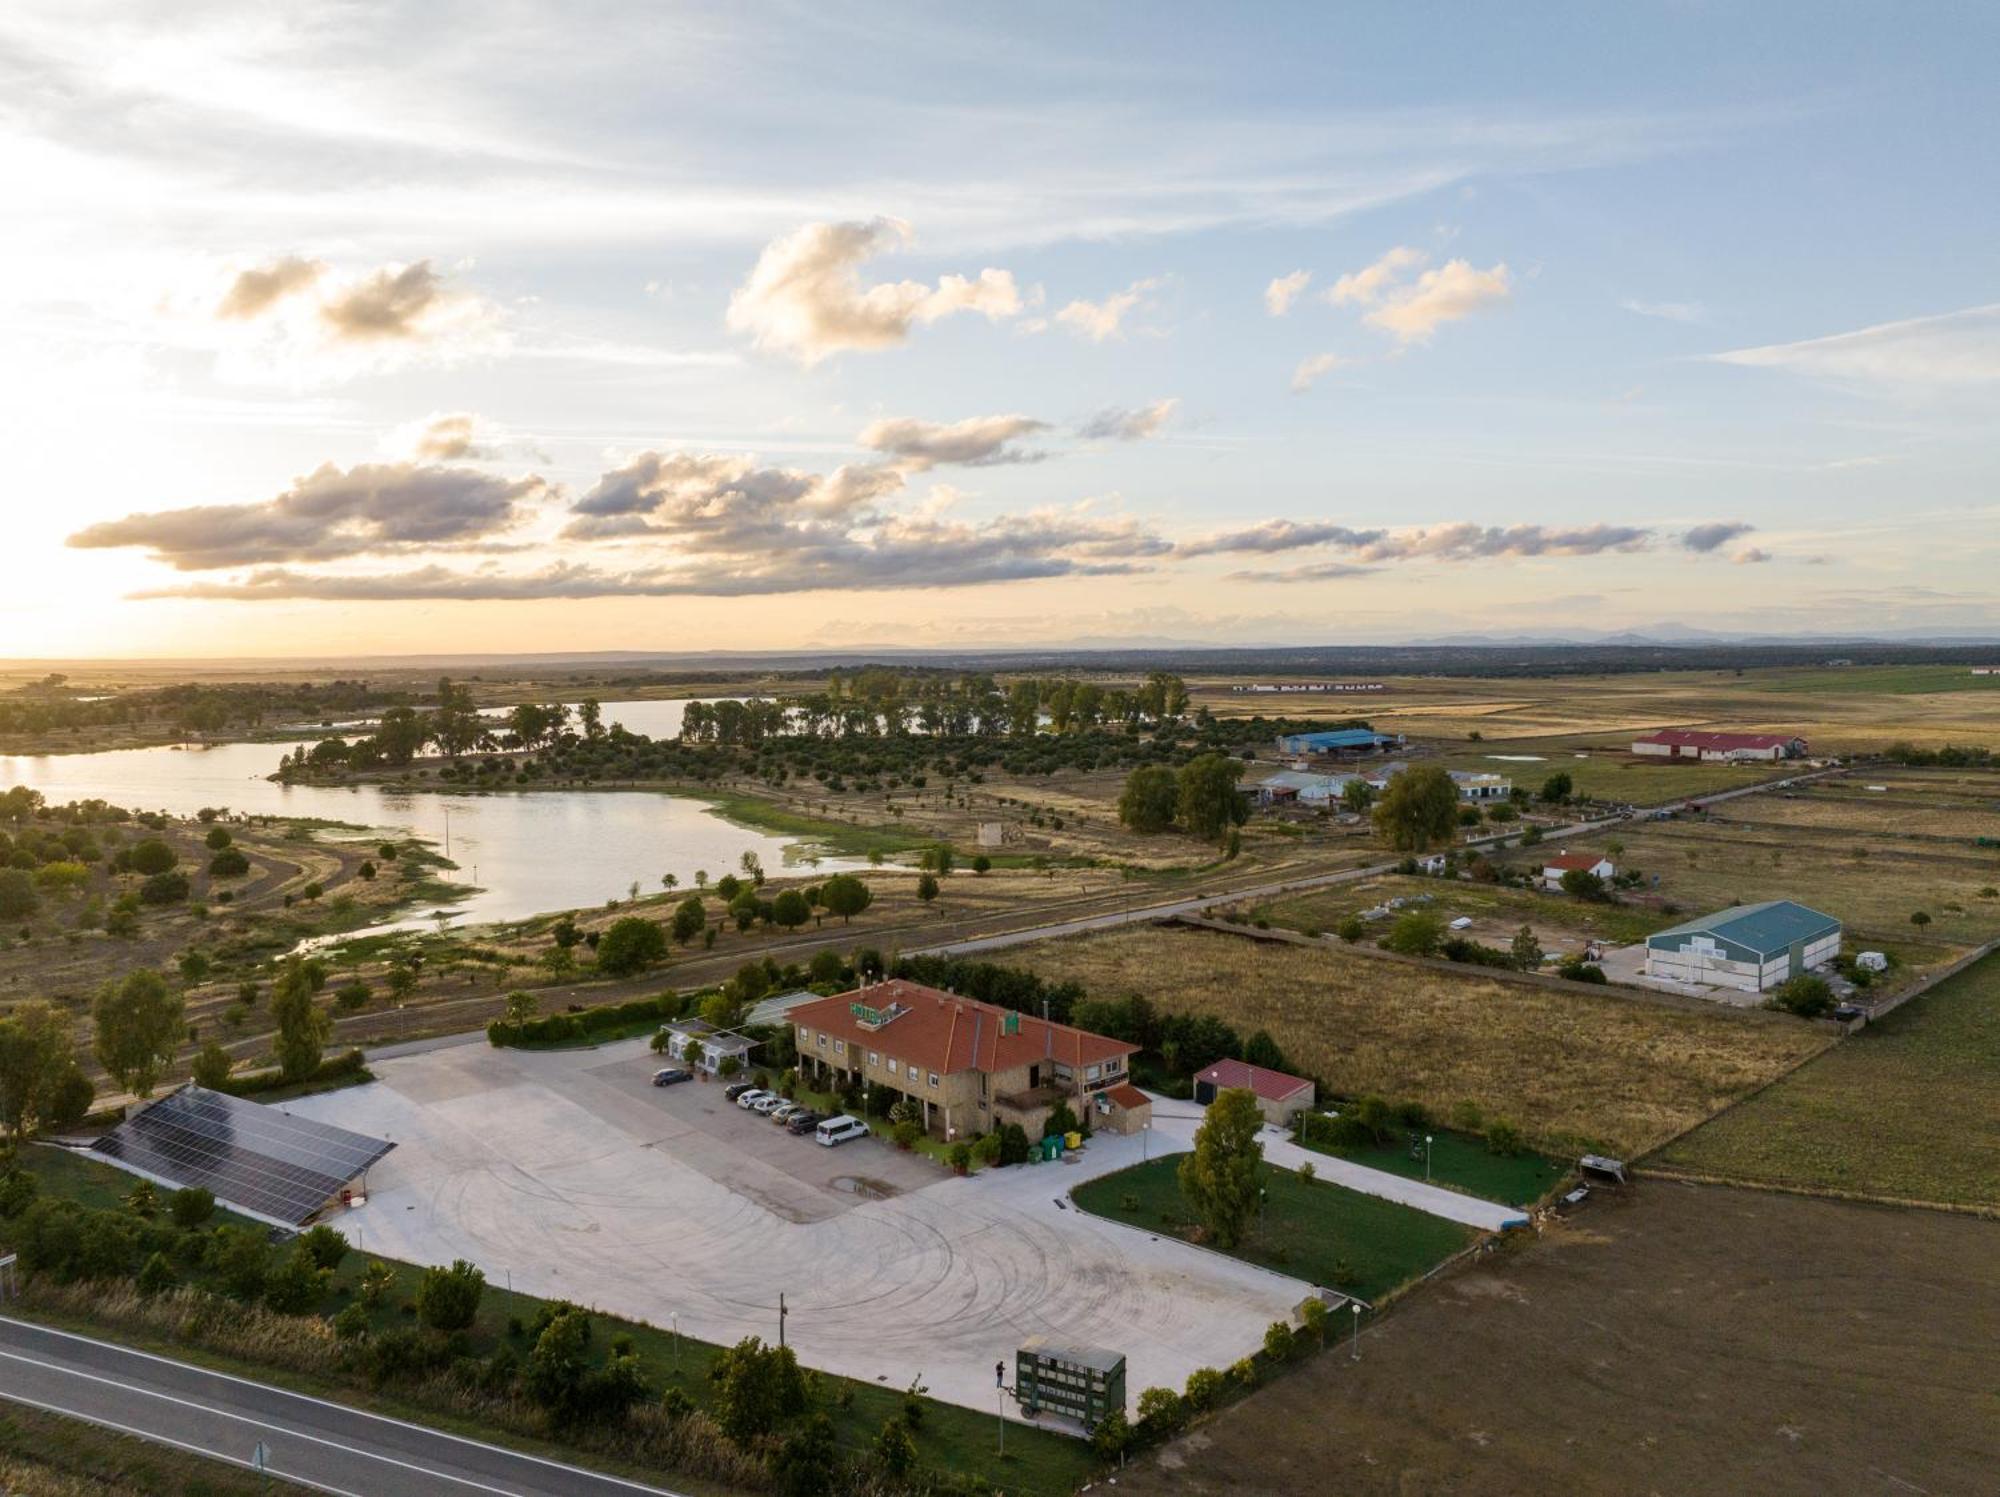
1752,947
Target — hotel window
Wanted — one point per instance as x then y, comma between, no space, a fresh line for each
934,1081
874,1059
1090,1072
840,1047
822,1042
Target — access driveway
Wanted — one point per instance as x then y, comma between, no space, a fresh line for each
568,1175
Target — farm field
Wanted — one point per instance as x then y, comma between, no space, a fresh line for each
1608,771
1618,1074
1563,923
1852,859
1908,1109
1844,710
1320,1232
1684,1339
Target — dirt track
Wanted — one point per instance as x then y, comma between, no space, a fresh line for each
1694,1340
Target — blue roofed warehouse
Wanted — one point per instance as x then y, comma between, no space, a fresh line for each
1750,947
1340,741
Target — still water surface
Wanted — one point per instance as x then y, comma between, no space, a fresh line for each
529,852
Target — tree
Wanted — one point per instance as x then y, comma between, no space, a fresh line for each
1920,919
218,838
690,919
1557,788
230,863
139,1023
150,855
1207,802
846,896
1148,800
1419,810
212,1067
559,1363
803,1465
520,1007
1261,1050
1416,932
757,1387
631,945
1357,795
18,899
1526,949
745,908
790,910
302,1025
895,1451
448,1298
1583,884
938,858
402,981
1219,1180
39,1076
981,865
1805,995
927,887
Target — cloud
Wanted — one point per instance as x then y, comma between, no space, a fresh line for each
261,286
1751,555
1311,368
805,298
297,320
389,303
371,509
1116,424
1320,571
892,553
1667,311
1710,537
1280,535
1452,291
1283,291
1102,320
1953,348
445,437
1365,286
979,441
1461,541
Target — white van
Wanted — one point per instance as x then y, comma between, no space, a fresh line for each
839,1130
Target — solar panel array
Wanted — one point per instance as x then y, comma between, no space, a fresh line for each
255,1158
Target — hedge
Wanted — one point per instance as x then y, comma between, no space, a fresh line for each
557,1029
349,1063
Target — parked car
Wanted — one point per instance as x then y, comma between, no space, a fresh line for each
753,1096
767,1104
736,1089
786,1113
804,1122
668,1075
839,1130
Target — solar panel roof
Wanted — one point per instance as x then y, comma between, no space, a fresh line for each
263,1162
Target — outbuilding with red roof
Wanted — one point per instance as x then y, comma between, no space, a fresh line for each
1689,743
1278,1095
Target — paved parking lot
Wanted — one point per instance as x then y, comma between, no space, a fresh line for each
567,1174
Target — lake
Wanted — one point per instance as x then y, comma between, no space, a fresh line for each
530,852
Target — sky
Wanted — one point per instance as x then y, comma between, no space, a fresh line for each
354,328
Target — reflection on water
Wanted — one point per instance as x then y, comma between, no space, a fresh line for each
529,851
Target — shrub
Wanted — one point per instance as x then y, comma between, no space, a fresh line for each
150,856
229,863
351,1323
156,1277
239,1258
18,1190
448,1298
1805,995
1503,1138
164,888
1204,1387
1112,1437
190,1207
296,1284
1014,1147
353,995
1351,929
326,1246
1417,932
1278,1341
1161,1412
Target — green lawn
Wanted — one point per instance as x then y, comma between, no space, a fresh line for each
1909,1108
1039,1463
1462,1163
839,838
1322,1233
1616,776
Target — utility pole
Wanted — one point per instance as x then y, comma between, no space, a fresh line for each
1000,1402
782,1313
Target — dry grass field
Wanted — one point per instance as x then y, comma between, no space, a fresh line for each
1563,923
1841,711
1620,1074
1685,1340
1908,1109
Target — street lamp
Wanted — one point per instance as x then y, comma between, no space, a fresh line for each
1355,1306
1427,1159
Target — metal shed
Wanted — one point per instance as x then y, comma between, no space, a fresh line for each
1750,947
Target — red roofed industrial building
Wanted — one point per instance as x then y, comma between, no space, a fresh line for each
1686,743
1278,1095
974,1066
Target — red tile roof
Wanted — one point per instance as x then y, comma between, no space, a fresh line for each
1689,738
945,1033
1127,1096
1583,862
1272,1086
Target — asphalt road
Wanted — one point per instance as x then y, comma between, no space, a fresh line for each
314,1443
